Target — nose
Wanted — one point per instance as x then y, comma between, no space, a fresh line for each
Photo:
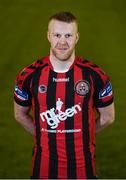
62,40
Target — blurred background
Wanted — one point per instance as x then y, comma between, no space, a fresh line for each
23,26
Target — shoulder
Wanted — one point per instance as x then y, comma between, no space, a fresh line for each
88,64
28,72
91,68
30,69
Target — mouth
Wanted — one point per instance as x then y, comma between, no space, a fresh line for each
62,49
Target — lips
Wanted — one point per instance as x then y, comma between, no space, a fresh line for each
62,49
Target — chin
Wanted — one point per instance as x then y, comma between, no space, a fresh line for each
63,57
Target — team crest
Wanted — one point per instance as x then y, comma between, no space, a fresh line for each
82,87
42,88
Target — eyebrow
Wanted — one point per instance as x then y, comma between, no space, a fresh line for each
61,33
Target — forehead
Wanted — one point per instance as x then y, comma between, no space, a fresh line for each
56,26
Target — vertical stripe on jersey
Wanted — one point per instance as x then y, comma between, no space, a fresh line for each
61,143
80,160
44,165
35,84
69,124
51,103
86,131
26,85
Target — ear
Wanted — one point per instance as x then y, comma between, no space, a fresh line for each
48,36
77,36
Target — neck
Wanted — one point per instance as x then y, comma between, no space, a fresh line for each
61,65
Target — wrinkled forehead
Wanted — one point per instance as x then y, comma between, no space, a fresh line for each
56,26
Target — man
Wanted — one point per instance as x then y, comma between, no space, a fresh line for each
63,91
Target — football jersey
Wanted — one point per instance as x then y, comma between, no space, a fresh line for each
63,113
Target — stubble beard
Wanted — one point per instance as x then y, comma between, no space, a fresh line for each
62,57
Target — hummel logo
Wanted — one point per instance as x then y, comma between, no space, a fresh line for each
61,79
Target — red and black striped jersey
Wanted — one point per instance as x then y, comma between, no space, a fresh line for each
63,113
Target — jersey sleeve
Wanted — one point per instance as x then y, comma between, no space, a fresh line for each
103,93
22,92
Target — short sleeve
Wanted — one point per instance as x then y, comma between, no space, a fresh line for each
103,93
22,92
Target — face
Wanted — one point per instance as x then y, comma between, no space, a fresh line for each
63,38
